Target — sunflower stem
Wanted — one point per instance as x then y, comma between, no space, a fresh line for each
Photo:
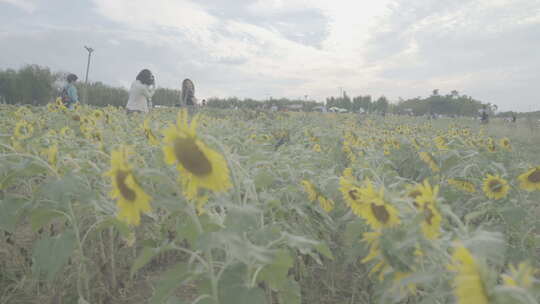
113,262
81,269
207,253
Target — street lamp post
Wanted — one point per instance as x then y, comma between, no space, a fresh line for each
90,50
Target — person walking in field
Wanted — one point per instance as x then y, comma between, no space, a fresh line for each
188,93
69,92
484,117
141,92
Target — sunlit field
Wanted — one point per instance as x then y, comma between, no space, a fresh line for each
241,206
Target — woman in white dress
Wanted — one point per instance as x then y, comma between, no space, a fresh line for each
141,92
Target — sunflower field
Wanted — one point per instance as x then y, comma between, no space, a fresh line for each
238,206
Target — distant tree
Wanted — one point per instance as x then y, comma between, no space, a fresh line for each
381,105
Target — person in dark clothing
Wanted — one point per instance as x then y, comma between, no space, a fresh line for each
188,93
484,117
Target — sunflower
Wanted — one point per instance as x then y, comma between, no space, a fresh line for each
131,198
97,114
426,203
491,145
66,131
23,130
383,266
414,191
348,173
348,151
440,142
60,104
310,190
196,162
315,195
462,185
428,193
378,213
326,203
522,276
505,143
386,149
428,159
53,107
350,191
416,143
495,187
530,180
431,221
468,283
149,133
52,154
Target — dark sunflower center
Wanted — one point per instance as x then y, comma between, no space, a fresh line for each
126,192
149,134
495,186
414,194
352,194
428,214
191,157
534,177
380,212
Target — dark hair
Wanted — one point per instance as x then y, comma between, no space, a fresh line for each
71,78
146,77
188,92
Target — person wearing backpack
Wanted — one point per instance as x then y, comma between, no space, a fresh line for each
69,92
141,92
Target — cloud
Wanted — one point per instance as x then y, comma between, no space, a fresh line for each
266,49
26,5
249,48
472,46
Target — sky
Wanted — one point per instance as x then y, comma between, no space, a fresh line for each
487,49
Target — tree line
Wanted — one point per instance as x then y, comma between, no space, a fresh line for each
36,85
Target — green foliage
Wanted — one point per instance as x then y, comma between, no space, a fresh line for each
263,241
51,254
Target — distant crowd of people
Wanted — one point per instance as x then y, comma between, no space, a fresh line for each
140,93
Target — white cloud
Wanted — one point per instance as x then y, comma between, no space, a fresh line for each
484,48
263,52
27,5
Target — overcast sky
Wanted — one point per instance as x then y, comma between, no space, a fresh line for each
488,49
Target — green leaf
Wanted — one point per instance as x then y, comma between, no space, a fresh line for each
64,189
51,253
242,219
263,179
41,217
275,273
10,211
490,245
291,293
323,249
234,290
475,214
187,229
173,278
122,227
144,257
514,216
